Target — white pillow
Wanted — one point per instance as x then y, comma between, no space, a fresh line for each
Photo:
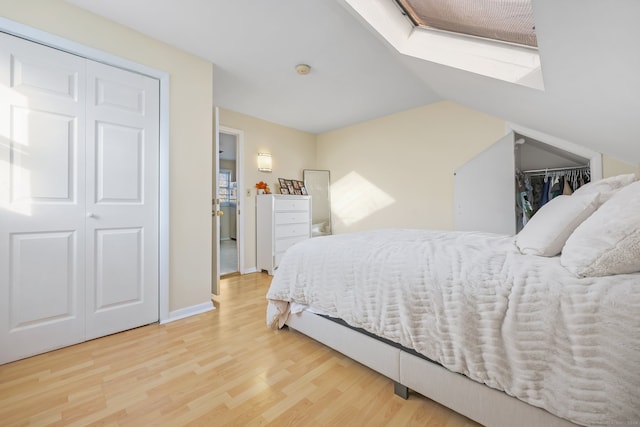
547,231
606,187
609,241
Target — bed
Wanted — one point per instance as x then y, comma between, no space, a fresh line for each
468,320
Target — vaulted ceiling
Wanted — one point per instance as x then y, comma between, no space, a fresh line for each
588,49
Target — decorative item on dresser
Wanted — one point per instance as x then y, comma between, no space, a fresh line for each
292,186
281,221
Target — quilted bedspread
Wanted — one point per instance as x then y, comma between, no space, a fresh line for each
471,302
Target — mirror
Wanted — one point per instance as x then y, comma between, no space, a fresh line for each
318,183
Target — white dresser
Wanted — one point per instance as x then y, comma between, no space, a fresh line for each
281,221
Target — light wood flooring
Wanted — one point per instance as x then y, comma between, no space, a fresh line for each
215,369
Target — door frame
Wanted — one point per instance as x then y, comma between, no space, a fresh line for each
47,39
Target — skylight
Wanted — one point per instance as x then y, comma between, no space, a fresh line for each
501,43
505,20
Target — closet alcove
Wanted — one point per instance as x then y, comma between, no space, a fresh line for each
485,188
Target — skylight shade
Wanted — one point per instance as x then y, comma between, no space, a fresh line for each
506,20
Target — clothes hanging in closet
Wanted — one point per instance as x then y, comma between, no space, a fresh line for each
536,188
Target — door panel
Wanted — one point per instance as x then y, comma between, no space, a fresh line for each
42,206
32,72
119,163
119,269
42,156
122,200
42,261
118,95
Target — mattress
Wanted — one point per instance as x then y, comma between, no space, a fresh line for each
472,303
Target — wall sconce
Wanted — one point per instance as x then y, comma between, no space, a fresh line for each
264,162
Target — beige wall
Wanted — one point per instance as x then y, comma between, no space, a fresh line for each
613,167
291,151
397,171
190,124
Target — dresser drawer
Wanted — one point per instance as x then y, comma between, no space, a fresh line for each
291,230
291,217
291,205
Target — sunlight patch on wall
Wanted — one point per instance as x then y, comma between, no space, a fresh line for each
354,198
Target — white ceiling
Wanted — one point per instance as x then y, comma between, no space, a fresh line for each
589,52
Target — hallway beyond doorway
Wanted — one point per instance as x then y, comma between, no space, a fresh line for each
228,257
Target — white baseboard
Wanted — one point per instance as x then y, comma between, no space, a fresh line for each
250,270
189,311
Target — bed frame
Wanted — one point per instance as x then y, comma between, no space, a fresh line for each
476,401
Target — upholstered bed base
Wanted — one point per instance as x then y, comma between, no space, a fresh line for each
474,400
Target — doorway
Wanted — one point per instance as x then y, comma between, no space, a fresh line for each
229,183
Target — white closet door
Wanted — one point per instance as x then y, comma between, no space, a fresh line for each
42,198
484,190
79,145
122,199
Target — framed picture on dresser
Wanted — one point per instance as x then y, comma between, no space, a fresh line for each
292,186
283,186
289,183
299,188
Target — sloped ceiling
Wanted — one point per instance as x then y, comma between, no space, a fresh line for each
589,50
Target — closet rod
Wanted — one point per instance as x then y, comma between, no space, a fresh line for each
570,168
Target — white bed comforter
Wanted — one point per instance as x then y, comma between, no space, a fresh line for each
474,304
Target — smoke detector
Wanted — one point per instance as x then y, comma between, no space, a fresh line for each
303,69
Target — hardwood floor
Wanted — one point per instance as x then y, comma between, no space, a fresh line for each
218,368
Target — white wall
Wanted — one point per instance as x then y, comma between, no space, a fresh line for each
291,151
191,127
